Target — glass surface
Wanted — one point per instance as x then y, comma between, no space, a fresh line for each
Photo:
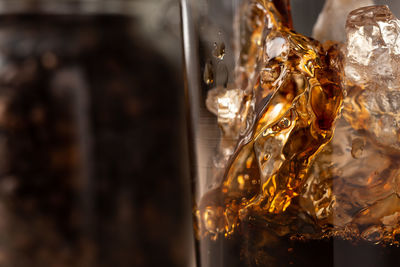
236,221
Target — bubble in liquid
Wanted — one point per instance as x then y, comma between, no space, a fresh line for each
219,50
373,234
357,148
284,123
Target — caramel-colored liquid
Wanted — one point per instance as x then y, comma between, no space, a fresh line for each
305,169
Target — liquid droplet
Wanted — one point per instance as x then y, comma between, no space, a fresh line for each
219,50
208,73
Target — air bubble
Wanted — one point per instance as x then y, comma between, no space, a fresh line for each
373,234
284,123
357,148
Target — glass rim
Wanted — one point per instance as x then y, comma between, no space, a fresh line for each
65,7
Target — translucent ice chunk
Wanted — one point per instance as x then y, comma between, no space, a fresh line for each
373,46
349,176
224,103
372,66
331,21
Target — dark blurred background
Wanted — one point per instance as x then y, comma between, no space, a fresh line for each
93,152
93,161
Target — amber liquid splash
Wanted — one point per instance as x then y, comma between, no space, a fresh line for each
309,181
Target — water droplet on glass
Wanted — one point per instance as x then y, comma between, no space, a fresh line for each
219,50
208,73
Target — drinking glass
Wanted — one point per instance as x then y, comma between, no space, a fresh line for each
231,225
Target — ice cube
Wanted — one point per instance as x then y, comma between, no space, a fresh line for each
372,61
331,21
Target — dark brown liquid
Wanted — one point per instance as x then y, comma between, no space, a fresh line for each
241,251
